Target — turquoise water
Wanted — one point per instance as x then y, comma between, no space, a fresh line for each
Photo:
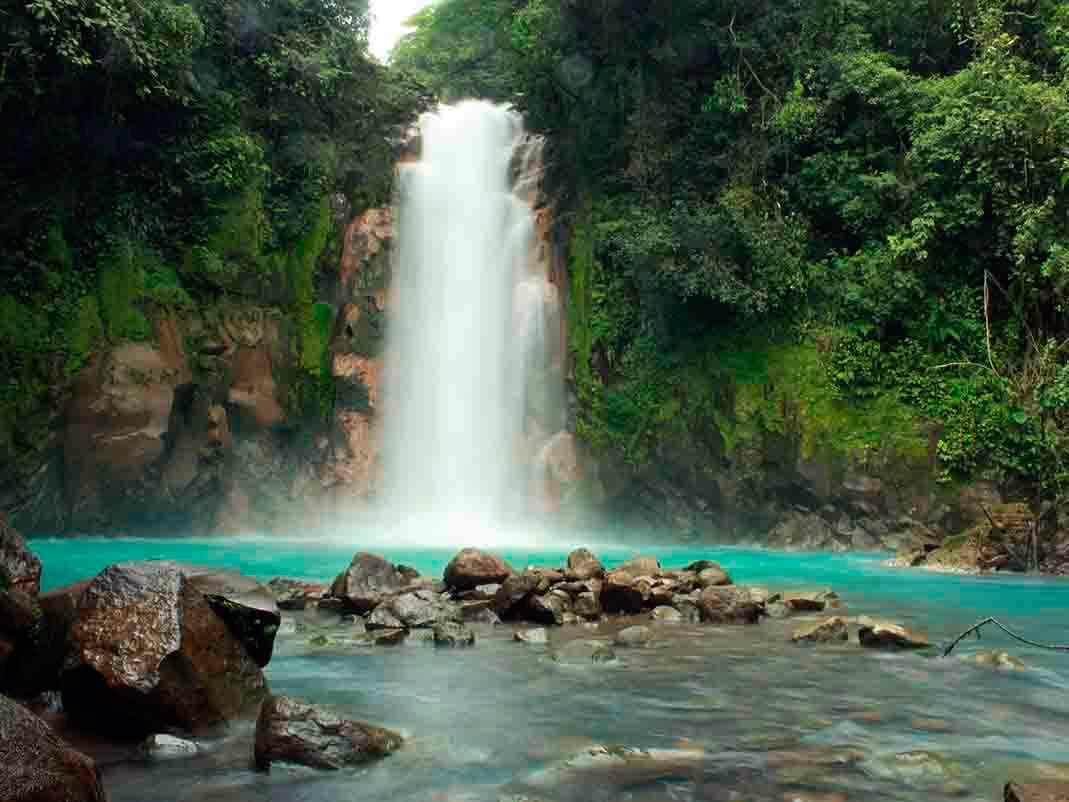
739,712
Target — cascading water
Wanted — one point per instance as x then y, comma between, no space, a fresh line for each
472,391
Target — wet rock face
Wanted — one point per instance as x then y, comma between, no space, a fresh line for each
291,731
367,581
888,635
830,630
20,570
471,568
36,765
1036,792
582,564
20,583
150,650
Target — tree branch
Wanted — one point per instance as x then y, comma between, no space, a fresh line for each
976,628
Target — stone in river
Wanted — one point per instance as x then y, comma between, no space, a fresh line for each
367,581
514,592
20,569
666,615
1036,792
449,633
728,605
150,651
291,731
582,564
712,576
36,765
620,594
641,566
578,652
633,636
688,608
830,630
996,659
382,617
296,594
550,608
420,608
587,606
536,636
166,747
808,601
472,567
878,634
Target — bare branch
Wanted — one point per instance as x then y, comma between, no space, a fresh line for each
976,628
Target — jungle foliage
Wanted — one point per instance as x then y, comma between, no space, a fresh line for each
886,183
173,153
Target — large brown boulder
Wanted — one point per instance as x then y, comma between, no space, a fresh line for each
151,651
1036,792
367,581
877,634
514,592
620,594
728,604
291,731
248,608
582,565
471,568
20,569
36,765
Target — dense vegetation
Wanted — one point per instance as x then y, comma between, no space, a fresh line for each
877,189
171,154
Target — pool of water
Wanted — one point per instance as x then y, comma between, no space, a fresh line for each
731,713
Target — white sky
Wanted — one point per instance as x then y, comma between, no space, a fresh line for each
387,23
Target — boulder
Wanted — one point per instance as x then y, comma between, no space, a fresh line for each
1036,792
587,606
633,636
580,652
887,635
382,617
805,601
166,747
582,565
480,592
830,630
514,591
712,576
619,593
20,569
149,650
367,581
728,605
688,608
248,608
291,731
450,633
296,594
415,610
550,608
643,565
471,568
537,636
666,615
996,659
36,765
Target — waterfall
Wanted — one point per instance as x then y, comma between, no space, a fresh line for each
471,391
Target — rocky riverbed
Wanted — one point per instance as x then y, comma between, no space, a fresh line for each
160,672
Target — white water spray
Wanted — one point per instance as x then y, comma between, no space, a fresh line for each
470,389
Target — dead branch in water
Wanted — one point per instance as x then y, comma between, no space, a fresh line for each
976,628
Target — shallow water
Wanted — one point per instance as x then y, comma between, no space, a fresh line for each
739,712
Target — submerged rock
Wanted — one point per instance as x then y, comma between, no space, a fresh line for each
166,747
449,633
830,630
291,731
578,652
887,635
616,770
36,765
367,581
537,636
582,565
472,567
996,659
666,615
149,652
633,636
728,605
1036,792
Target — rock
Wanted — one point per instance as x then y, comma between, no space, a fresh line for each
481,592
777,610
761,595
382,617
36,765
367,581
537,636
633,636
728,605
421,608
247,607
550,608
582,565
482,616
885,634
688,608
382,637
514,591
808,601
698,566
291,731
150,652
830,630
1036,792
996,659
471,568
408,573
166,747
20,570
666,615
584,651
713,576
587,606
802,531
449,633
619,593
295,594
641,566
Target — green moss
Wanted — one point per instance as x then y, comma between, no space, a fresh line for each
121,285
85,330
582,266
